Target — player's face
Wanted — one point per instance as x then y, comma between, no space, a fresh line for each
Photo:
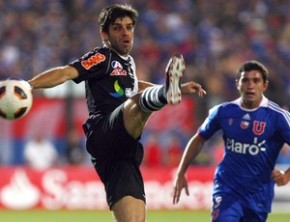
251,87
120,36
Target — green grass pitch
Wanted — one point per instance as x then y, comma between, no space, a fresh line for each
105,216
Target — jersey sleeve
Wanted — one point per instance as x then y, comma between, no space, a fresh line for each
211,124
285,127
92,65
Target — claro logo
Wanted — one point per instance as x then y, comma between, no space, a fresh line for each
245,148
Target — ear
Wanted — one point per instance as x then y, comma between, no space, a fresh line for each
266,85
104,36
237,84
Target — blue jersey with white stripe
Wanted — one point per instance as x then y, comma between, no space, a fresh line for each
253,140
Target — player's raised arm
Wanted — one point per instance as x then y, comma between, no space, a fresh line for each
192,87
53,77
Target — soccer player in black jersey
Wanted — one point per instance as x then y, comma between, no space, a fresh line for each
119,106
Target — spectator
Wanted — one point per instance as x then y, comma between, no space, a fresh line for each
174,152
40,153
75,151
152,152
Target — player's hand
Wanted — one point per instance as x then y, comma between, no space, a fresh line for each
280,177
192,87
179,183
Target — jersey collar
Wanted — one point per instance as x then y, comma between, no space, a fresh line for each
264,103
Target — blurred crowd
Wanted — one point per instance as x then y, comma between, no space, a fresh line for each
215,37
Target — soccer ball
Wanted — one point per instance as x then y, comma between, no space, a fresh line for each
15,98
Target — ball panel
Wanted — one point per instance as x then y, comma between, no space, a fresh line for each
20,93
2,114
20,112
2,91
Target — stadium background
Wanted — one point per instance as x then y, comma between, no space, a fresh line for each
214,37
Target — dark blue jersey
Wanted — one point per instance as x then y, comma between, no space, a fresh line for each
110,79
253,140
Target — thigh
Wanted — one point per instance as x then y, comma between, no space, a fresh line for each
110,139
226,208
134,118
129,209
121,178
252,216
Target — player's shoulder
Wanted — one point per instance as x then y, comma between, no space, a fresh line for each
111,54
97,53
101,50
278,110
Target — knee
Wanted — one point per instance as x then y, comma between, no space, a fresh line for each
129,209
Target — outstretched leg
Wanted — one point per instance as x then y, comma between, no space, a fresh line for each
139,108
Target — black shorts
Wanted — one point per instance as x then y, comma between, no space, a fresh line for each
116,157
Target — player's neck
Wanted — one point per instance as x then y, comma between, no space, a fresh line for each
108,45
250,104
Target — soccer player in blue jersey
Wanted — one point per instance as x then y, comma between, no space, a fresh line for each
254,131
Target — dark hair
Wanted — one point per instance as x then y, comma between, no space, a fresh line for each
253,65
110,13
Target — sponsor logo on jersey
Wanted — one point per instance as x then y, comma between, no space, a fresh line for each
247,117
245,148
93,60
245,121
259,127
117,69
119,92
244,124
